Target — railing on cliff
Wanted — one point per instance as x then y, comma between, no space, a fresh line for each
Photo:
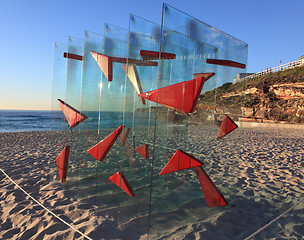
293,64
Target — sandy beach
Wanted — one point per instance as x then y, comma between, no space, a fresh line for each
268,176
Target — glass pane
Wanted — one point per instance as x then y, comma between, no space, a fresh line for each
58,121
139,117
72,98
89,105
111,116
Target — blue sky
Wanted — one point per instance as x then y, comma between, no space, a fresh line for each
273,29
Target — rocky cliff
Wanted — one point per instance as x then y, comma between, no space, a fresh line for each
275,97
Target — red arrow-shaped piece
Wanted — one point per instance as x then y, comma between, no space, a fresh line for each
213,196
143,151
121,181
62,163
101,149
227,126
73,116
183,96
179,161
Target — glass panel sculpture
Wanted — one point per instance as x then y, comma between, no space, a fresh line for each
156,87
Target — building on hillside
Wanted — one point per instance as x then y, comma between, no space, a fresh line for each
302,59
239,76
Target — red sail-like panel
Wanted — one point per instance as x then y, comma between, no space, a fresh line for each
73,116
213,196
62,163
120,180
101,149
143,151
183,96
180,160
152,55
124,136
227,126
226,63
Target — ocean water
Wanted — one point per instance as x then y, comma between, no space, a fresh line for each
34,120
23,121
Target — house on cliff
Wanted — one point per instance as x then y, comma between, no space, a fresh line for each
239,76
302,59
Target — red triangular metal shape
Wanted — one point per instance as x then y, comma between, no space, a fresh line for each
213,196
73,116
121,181
183,96
105,63
227,126
143,151
101,149
62,163
124,136
179,161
